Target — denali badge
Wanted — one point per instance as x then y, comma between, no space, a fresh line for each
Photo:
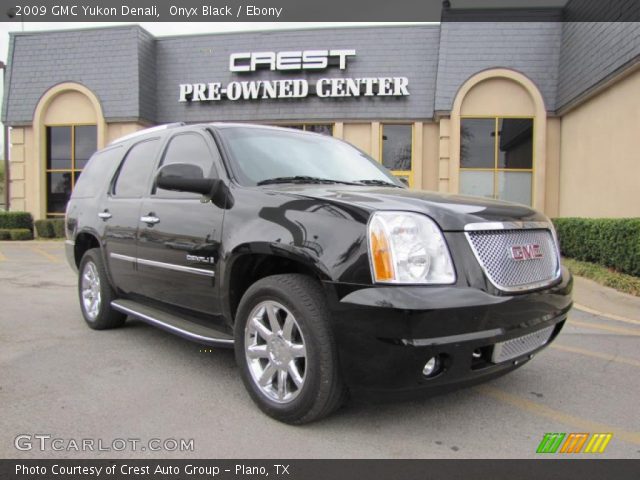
200,259
526,252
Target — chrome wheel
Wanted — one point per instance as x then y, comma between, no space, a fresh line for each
91,296
275,351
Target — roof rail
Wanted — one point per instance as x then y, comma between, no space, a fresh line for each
147,130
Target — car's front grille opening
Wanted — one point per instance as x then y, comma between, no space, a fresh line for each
481,357
519,346
516,260
489,355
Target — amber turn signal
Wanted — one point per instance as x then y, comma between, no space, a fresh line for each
381,255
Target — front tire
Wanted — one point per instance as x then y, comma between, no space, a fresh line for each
96,294
285,349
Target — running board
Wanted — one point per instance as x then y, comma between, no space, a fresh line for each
173,324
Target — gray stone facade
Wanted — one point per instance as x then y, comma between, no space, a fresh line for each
136,76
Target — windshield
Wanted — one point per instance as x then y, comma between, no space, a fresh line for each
265,155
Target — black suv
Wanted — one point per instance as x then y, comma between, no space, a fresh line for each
324,272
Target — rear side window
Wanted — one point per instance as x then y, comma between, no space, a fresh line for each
188,148
101,166
133,177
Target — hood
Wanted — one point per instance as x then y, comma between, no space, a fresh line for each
451,212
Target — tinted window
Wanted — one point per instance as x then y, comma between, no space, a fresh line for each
323,129
396,147
58,191
188,148
134,173
478,143
59,148
515,149
85,141
99,169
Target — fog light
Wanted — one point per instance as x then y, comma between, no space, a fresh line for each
477,353
431,367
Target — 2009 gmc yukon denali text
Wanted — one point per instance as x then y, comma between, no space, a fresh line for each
324,273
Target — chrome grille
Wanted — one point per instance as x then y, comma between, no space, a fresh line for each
493,250
516,347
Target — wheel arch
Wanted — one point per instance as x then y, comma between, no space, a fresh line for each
250,263
85,240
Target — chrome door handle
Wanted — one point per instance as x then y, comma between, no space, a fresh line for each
149,219
104,215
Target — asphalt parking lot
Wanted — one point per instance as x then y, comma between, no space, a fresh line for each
59,378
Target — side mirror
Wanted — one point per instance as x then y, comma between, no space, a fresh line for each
404,181
186,177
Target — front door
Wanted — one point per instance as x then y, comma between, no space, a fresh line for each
179,236
120,213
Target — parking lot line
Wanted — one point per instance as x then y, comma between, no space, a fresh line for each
591,353
606,328
612,316
540,410
45,254
2,257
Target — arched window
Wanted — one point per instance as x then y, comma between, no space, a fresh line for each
498,139
68,128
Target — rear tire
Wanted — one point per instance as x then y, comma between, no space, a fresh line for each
96,294
285,349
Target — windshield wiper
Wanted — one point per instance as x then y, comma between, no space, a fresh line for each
301,179
378,182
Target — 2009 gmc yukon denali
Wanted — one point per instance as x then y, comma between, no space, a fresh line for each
322,271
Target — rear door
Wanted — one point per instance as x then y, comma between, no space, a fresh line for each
120,213
179,236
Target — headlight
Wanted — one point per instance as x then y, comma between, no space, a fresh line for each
408,247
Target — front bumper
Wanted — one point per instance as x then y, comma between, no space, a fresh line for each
385,335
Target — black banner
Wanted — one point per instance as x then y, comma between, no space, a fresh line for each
546,469
318,11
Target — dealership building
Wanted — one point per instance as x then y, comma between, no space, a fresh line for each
543,113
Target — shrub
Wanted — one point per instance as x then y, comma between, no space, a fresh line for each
611,242
16,220
50,228
21,234
2,199
58,228
604,276
5,234
44,228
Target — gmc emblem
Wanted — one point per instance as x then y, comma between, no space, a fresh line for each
526,252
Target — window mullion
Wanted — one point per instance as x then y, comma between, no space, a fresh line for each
73,156
495,159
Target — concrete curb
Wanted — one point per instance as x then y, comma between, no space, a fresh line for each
594,298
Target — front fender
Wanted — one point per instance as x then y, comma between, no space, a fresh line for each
325,238
323,235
